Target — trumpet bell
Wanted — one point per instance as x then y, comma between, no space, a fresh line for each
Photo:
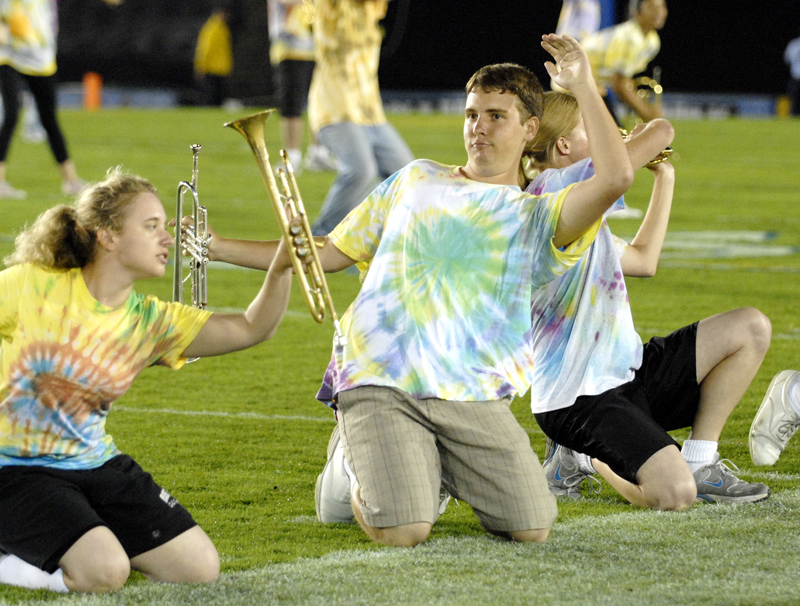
288,205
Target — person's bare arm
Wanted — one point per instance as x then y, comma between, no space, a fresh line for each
588,200
641,257
625,90
224,333
648,140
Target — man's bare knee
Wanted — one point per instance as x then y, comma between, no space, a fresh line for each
405,535
536,535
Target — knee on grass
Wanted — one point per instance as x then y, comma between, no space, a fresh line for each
110,575
675,497
536,535
405,535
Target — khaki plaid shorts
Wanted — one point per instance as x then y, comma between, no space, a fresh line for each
402,449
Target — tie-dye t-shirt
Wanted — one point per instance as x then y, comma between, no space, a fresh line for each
65,358
444,310
584,341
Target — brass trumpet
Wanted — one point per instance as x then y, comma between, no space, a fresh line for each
192,241
299,238
662,155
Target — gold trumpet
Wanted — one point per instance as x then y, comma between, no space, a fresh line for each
662,155
192,241
298,237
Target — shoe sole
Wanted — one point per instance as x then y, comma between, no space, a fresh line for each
705,498
780,378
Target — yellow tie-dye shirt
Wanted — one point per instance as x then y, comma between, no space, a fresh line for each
621,49
28,36
347,43
65,358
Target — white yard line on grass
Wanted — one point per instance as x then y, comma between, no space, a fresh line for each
219,413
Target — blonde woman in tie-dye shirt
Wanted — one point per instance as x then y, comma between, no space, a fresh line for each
74,337
604,399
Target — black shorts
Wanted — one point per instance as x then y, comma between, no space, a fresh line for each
44,511
294,80
623,427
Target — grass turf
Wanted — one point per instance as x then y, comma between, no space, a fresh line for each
240,439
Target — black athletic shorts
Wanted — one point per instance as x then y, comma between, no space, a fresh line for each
625,426
294,80
44,511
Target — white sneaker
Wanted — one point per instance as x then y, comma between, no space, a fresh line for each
11,193
72,188
332,490
319,159
775,422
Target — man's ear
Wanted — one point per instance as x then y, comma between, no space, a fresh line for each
107,239
531,128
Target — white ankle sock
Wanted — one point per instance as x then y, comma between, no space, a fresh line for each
14,571
699,453
793,391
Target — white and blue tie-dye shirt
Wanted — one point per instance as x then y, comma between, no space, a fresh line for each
584,341
444,311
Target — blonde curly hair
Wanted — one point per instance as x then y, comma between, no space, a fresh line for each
65,236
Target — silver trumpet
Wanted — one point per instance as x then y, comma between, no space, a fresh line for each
191,240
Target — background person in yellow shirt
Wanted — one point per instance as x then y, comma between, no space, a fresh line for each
345,109
620,52
213,57
291,53
28,53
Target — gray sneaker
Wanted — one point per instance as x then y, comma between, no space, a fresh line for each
564,474
775,422
717,483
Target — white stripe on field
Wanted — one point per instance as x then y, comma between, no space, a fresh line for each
219,413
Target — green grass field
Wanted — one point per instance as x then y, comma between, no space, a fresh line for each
240,439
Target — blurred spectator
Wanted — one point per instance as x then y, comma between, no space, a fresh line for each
792,58
213,57
345,109
579,18
291,53
620,52
28,33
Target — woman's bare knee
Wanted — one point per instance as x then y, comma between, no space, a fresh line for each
759,329
96,563
188,558
678,496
